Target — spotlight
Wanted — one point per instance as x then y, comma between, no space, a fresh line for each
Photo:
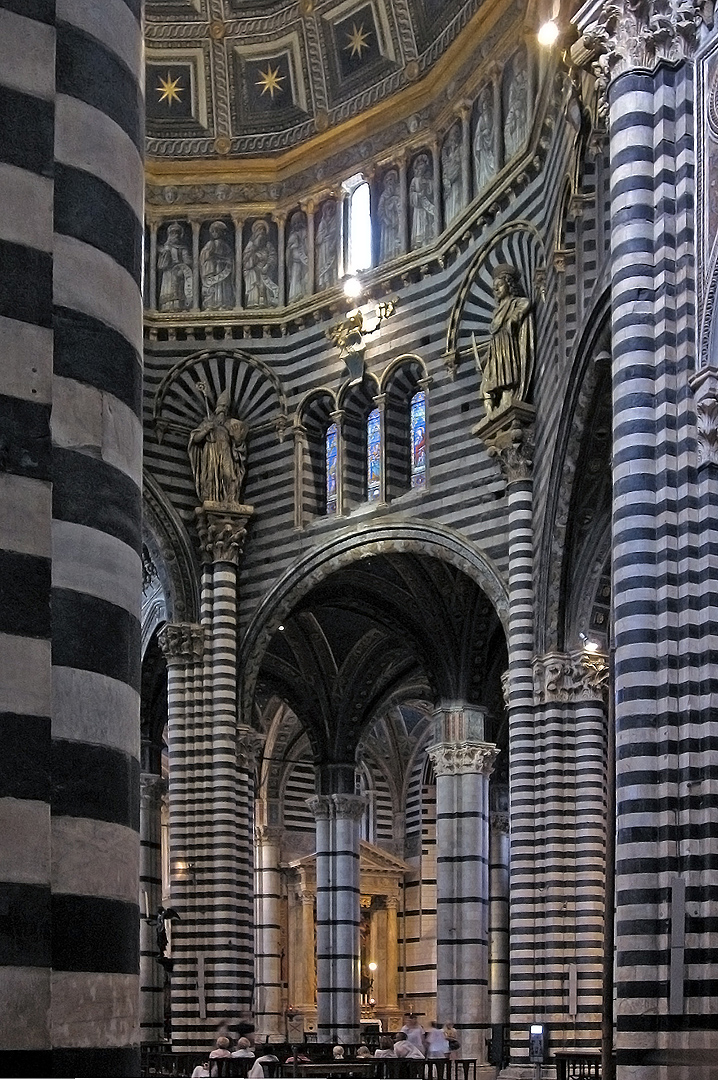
280,627
352,288
548,34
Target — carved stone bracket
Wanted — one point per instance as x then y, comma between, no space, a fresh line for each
222,531
181,642
570,677
509,437
704,385
452,759
249,747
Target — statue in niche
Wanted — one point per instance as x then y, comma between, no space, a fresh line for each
506,372
216,270
297,257
484,139
174,263
421,199
451,174
259,262
389,211
515,126
327,247
218,455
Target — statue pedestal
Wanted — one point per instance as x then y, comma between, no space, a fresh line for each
222,529
509,436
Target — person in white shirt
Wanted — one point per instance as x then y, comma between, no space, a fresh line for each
437,1044
386,1048
414,1031
244,1049
201,1070
405,1049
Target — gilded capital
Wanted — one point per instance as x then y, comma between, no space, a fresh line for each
452,759
181,642
222,533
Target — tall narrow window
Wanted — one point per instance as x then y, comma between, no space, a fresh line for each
418,440
331,449
359,245
373,456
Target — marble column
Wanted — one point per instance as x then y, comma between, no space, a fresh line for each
499,914
462,762
152,974
338,916
269,1014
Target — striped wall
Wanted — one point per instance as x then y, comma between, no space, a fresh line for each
71,183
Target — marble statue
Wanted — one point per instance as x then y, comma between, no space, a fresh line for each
297,257
174,263
327,247
484,139
389,211
515,125
259,262
506,372
421,200
451,174
218,455
216,270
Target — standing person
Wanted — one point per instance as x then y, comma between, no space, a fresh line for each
405,1049
437,1044
452,1037
386,1048
414,1031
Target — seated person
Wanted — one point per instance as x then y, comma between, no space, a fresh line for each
244,1049
265,1058
405,1049
386,1048
363,1052
202,1069
338,1053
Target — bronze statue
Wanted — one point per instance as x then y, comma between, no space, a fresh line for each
218,455
506,373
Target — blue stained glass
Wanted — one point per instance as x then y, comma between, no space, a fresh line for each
373,456
418,439
331,456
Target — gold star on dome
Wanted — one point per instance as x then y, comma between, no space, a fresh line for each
169,89
270,81
358,40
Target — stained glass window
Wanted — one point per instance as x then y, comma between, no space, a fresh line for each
418,440
331,447
373,456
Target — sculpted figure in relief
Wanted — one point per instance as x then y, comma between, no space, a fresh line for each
260,268
390,217
174,263
507,370
451,174
421,198
484,139
297,257
216,270
327,247
515,126
218,455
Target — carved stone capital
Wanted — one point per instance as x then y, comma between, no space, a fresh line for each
570,677
634,34
349,806
153,787
391,903
270,835
704,385
505,688
499,822
320,806
181,642
222,532
452,759
509,437
249,747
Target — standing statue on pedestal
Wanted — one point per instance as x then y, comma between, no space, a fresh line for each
506,372
216,270
218,455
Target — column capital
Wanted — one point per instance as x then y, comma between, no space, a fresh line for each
320,806
222,531
153,787
452,759
268,834
570,677
509,437
181,642
349,806
249,747
704,385
625,35
499,821
391,903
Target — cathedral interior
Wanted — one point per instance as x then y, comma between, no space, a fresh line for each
358,559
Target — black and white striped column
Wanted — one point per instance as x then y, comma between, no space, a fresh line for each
463,763
71,187
269,1016
152,974
338,916
499,909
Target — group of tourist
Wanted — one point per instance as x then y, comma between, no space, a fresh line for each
244,1050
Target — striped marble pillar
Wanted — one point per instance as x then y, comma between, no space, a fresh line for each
462,764
338,916
71,203
509,439
499,911
152,974
269,1016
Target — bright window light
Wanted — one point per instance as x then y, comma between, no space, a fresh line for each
359,254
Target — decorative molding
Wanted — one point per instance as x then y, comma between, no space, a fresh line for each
453,759
249,747
509,437
181,642
222,532
563,678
